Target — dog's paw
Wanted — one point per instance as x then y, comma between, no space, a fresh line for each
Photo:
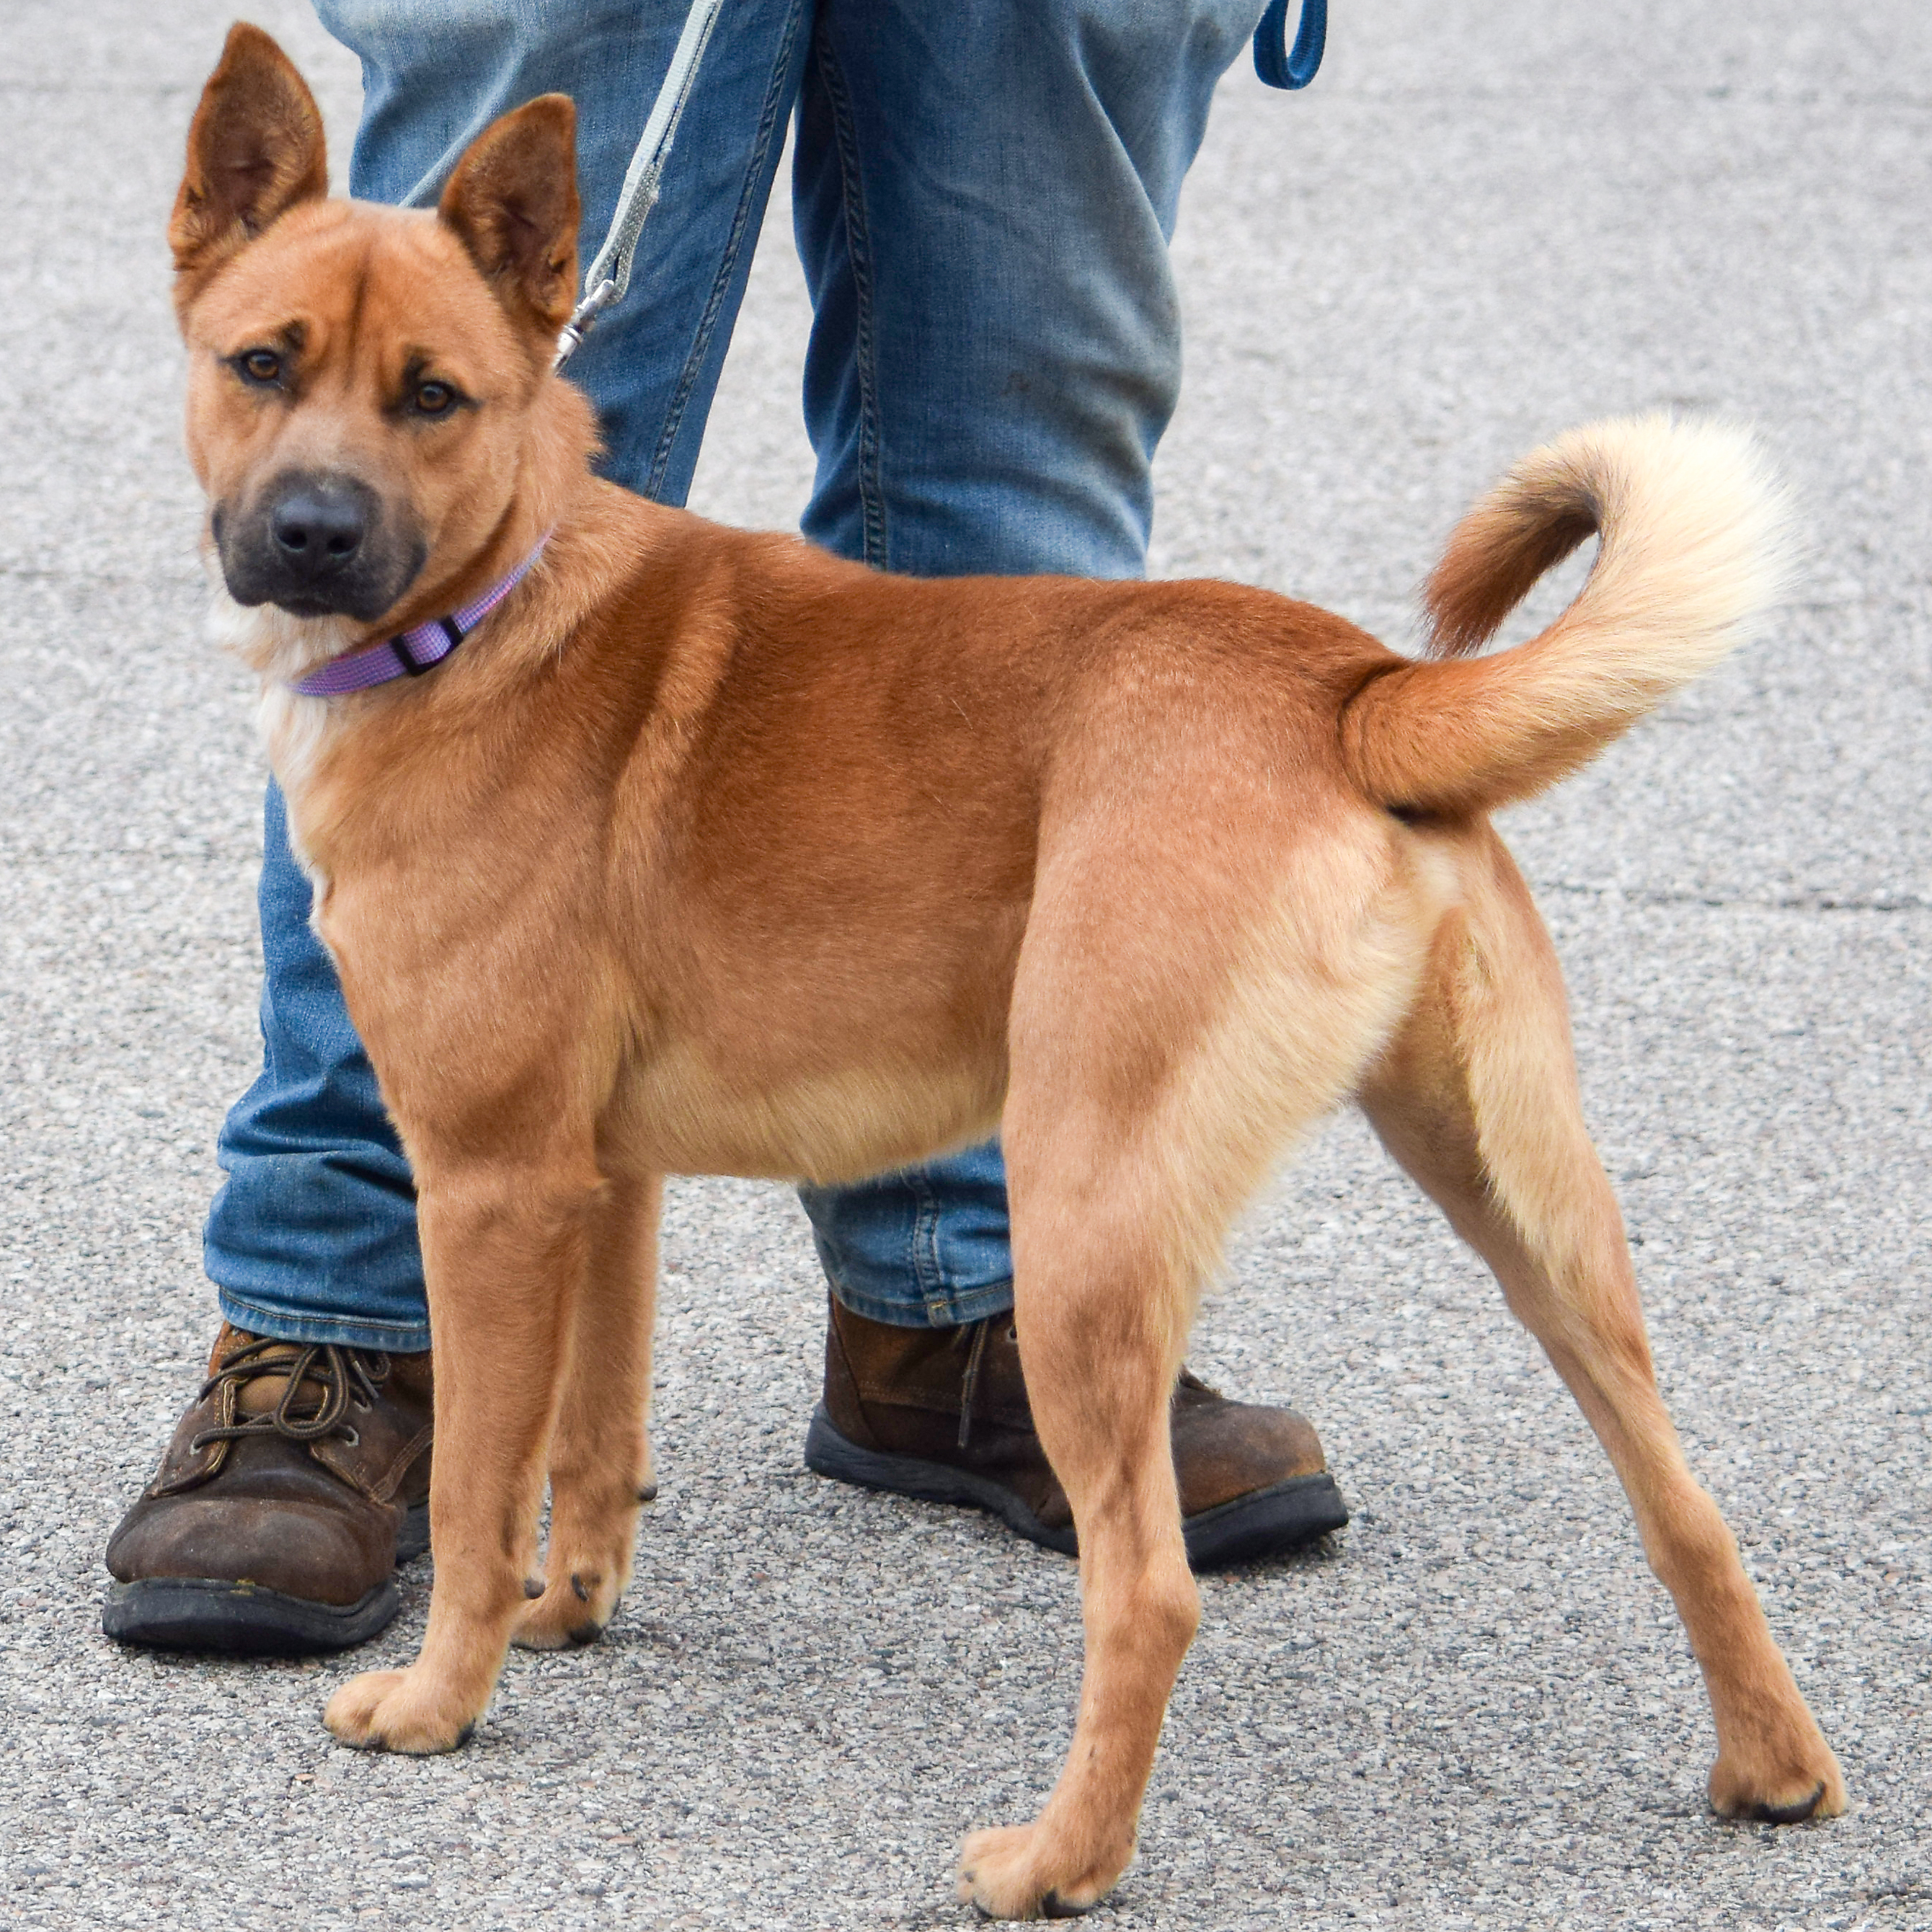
1785,1787
570,1613
399,1710
1015,1872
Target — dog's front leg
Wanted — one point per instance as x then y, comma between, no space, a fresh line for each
505,1243
600,1457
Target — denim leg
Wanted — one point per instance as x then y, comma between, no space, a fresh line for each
312,1237
983,198
927,1247
437,73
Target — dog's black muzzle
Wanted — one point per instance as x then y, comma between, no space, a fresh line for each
318,544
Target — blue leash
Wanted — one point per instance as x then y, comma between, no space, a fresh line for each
1274,61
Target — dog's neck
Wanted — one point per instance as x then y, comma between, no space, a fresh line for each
600,539
280,649
285,652
411,652
556,493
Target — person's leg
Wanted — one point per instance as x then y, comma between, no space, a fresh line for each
436,72
311,1241
983,212
983,216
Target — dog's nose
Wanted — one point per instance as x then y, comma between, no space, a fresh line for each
317,532
318,542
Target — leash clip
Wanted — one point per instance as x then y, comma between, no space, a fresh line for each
606,279
570,337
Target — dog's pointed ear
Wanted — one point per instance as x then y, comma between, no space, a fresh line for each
255,149
513,202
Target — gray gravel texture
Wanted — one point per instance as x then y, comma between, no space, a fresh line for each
1475,1708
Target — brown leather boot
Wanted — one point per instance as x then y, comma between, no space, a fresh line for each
294,1484
942,1413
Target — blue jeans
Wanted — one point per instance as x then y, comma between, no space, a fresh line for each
983,195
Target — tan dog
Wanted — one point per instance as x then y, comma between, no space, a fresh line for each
710,854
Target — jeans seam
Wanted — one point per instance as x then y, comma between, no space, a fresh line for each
922,1255
707,324
858,250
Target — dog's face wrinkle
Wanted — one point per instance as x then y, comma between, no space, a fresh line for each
348,412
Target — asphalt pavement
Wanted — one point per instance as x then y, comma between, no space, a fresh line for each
1473,1709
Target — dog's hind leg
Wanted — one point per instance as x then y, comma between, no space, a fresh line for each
1150,1098
1477,1097
1102,1322
505,1244
600,1457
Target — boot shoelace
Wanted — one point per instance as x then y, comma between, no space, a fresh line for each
341,1379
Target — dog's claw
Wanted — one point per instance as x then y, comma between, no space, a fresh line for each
568,1614
1790,1814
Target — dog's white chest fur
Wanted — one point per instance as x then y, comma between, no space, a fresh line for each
279,648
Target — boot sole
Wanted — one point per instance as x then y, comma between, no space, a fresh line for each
212,1613
1264,1522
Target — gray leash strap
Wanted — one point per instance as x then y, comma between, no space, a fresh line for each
607,278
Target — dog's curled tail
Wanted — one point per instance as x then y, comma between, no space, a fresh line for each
1693,549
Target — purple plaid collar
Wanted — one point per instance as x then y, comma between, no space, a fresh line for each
415,650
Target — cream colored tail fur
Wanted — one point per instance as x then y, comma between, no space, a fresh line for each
1693,549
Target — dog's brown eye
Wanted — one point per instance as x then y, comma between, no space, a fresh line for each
433,398
261,365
